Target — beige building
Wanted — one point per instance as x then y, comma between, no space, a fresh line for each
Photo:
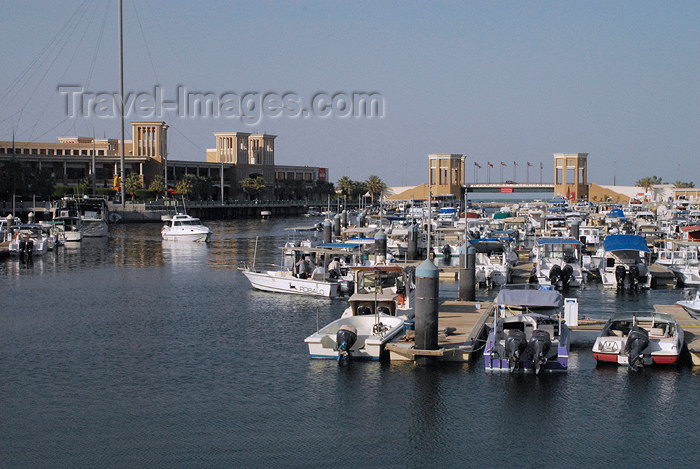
446,174
570,175
238,155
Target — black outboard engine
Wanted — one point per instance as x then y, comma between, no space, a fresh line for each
30,249
516,343
637,340
22,246
620,273
634,276
446,251
555,274
344,340
567,273
539,346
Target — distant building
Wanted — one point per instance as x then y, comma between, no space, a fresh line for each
570,175
238,154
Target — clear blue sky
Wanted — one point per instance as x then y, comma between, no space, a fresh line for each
499,81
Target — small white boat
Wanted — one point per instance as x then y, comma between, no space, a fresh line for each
66,214
284,281
624,262
93,217
182,227
382,301
691,306
28,240
558,262
639,339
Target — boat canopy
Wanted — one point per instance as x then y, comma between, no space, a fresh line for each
625,242
339,246
530,298
542,241
642,316
616,213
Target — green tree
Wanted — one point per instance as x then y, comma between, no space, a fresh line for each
683,185
375,186
185,186
157,185
85,185
133,183
253,186
345,184
648,182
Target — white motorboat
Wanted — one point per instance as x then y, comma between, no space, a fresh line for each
93,217
639,339
558,262
284,281
382,301
624,262
182,227
28,240
528,332
494,259
691,306
66,214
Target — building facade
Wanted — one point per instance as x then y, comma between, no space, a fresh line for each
237,156
571,175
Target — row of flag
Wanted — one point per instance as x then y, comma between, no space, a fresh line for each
503,164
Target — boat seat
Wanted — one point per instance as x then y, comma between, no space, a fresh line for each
616,332
320,277
656,332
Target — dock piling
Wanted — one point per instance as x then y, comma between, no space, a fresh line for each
426,320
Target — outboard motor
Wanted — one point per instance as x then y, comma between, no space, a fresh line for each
567,273
344,340
637,341
634,276
516,343
620,274
22,246
539,346
446,251
555,274
30,249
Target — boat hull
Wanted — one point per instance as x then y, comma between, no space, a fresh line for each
194,237
93,228
280,282
369,346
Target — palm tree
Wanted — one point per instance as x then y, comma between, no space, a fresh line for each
647,182
157,185
375,186
683,185
133,183
345,185
253,186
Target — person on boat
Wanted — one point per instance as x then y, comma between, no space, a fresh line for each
334,268
318,272
303,268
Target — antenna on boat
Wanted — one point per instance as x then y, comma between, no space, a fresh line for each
255,252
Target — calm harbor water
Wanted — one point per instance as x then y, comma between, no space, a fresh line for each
132,352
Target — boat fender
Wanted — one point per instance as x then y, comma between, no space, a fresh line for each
401,300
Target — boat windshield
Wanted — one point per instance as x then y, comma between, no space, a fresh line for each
369,282
194,221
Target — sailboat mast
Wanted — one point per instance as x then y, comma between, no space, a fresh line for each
121,98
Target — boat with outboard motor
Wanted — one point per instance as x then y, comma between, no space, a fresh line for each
182,227
528,332
624,261
691,306
382,301
28,240
639,339
558,262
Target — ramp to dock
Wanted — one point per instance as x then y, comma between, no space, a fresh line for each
461,325
691,328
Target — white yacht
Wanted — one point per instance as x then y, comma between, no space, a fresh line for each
28,240
182,227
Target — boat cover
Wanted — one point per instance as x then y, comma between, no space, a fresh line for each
616,213
338,245
558,241
622,242
533,298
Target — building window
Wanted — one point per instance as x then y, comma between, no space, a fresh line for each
34,151
307,176
84,152
101,152
280,176
75,152
557,176
59,152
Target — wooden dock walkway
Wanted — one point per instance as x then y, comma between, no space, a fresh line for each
691,328
461,329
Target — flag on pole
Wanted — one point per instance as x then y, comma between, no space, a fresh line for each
541,165
515,163
503,164
477,165
529,164
490,164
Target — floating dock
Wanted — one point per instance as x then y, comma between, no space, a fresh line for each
462,327
691,328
